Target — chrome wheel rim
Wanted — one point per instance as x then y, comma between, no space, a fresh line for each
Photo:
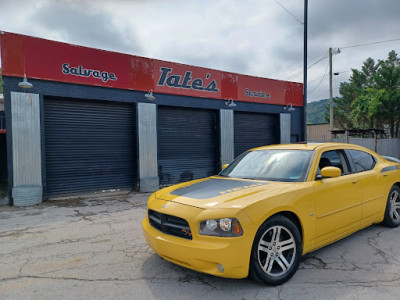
276,251
395,206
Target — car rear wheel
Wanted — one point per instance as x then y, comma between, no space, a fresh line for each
276,252
392,212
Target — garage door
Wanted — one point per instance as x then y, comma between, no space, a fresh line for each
90,146
187,144
254,129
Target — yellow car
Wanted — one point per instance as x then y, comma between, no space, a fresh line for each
270,206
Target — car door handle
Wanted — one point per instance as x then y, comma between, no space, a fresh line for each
354,181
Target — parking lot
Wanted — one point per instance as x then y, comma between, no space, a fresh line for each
94,248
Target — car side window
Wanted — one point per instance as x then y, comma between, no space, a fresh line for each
362,161
333,158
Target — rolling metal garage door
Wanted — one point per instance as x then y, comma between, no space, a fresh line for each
90,146
254,129
187,144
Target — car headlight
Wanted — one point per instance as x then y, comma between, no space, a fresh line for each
221,227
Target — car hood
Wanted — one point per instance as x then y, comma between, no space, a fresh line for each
219,192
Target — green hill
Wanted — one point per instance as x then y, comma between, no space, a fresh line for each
316,111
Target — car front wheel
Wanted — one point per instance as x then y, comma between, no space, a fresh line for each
276,251
392,212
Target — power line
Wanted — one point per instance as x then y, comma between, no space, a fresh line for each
351,69
302,23
369,44
309,67
347,47
301,67
317,78
326,70
318,56
321,59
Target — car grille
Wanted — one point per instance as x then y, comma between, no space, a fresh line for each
170,224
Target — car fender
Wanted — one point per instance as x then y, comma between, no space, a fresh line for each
302,214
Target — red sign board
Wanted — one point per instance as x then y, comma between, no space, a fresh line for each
172,78
55,61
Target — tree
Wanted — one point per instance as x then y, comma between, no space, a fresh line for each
388,80
358,82
366,108
371,98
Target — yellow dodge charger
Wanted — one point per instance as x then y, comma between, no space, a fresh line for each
270,206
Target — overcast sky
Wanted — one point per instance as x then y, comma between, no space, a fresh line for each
254,37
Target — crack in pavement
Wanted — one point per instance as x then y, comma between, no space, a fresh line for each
189,278
374,244
316,262
186,279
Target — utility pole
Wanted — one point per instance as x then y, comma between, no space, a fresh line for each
331,52
330,93
305,69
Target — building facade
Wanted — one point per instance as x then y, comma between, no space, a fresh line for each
96,120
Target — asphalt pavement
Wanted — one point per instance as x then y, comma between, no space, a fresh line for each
93,248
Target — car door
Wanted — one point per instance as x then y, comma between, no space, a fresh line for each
370,182
338,201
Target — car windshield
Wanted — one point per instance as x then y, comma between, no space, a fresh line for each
274,165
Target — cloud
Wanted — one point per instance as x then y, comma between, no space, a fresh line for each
77,22
230,35
349,21
335,24
254,37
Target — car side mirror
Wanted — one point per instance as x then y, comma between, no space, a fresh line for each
331,172
224,166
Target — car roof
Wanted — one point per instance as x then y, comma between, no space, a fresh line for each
307,146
